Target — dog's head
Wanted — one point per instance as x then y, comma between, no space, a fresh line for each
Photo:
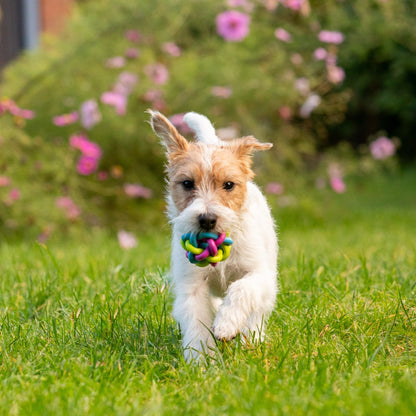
207,182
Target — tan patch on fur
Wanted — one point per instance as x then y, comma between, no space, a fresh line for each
210,167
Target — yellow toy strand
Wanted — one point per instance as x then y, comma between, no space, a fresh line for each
217,258
192,249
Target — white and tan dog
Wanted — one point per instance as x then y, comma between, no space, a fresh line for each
210,189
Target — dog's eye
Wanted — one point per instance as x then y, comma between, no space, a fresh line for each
228,186
188,185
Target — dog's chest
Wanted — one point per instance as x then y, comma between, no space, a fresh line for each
220,278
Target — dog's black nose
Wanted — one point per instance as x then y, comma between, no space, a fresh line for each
207,221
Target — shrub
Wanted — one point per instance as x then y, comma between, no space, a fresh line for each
278,78
380,62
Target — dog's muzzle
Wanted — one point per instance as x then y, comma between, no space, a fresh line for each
207,222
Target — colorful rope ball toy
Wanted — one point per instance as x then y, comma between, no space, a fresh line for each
206,247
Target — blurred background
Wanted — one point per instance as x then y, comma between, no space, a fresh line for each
331,83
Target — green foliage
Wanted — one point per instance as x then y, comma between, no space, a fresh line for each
38,171
379,56
261,71
86,327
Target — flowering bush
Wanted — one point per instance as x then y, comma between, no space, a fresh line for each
268,68
380,65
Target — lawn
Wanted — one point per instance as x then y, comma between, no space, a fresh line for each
86,327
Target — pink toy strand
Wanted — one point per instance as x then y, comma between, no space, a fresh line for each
203,255
212,247
220,239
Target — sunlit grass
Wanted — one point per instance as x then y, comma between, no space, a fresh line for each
86,327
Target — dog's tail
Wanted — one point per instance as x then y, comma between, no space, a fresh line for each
202,127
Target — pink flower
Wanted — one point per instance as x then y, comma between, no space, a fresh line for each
26,114
177,121
233,26
63,202
293,4
270,5
302,85
320,54
8,105
72,211
77,140
156,98
335,74
5,181
244,4
91,149
331,59
285,112
172,49
133,35
283,35
132,53
134,190
87,165
152,95
90,114
235,3
126,82
115,62
159,105
3,108
309,105
328,36
222,92
126,240
337,184
158,73
66,119
116,100
14,194
382,148
274,188
87,147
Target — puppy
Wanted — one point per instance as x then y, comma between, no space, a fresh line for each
210,189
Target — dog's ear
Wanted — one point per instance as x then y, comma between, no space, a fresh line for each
246,146
163,128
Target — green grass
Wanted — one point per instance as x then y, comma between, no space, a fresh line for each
86,327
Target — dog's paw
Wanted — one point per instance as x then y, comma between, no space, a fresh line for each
224,330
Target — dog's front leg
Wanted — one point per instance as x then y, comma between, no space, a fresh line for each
193,311
252,295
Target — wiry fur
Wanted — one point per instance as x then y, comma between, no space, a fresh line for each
238,295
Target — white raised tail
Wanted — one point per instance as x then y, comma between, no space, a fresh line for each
202,127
